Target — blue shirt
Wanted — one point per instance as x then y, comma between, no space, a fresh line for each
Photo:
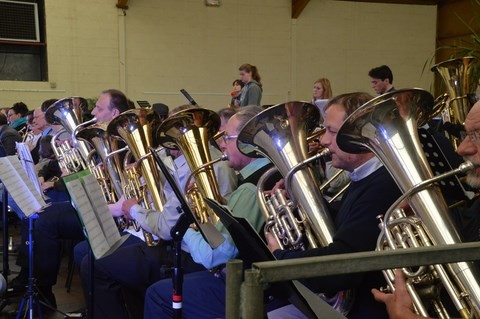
243,203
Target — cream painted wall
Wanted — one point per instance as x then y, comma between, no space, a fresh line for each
159,47
344,40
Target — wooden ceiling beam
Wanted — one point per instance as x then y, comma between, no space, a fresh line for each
297,7
421,2
122,4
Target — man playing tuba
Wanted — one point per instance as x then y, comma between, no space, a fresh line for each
371,192
133,268
204,292
399,303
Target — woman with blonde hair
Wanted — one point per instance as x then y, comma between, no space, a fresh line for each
252,90
321,90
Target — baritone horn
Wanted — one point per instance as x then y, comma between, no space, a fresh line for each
68,113
280,134
190,131
387,126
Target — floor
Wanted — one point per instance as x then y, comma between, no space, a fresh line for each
66,301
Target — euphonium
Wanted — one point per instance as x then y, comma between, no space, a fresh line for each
191,130
280,134
135,129
110,175
459,79
68,113
387,125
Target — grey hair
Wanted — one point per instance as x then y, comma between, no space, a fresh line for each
245,114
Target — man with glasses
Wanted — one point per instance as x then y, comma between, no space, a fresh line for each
17,116
204,291
122,278
399,304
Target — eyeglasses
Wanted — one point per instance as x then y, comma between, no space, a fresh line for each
474,136
226,138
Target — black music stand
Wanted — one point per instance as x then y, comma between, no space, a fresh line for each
436,148
253,249
30,300
6,269
177,232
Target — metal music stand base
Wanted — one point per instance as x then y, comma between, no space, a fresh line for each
30,301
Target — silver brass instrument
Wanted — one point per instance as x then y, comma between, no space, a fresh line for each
280,133
387,125
459,79
190,131
68,113
134,128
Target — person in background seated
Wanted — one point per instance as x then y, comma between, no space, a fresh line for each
17,116
8,137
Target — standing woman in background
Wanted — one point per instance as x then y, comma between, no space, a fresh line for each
252,90
321,90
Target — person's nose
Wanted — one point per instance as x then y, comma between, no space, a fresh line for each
467,147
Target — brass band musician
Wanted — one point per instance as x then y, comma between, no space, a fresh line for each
399,303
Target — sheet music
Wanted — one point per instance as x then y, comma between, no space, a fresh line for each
20,186
98,241
28,165
104,216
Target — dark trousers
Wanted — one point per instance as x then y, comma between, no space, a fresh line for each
122,278
203,297
58,221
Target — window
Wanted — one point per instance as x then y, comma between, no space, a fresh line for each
23,54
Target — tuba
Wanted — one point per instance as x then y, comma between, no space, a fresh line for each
135,129
387,126
190,131
459,79
280,134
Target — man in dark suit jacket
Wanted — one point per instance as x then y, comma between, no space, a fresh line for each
8,137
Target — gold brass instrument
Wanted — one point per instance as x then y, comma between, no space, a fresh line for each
135,129
280,134
109,175
387,125
190,131
68,113
459,79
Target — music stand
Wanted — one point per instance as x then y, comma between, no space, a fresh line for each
30,299
452,189
6,269
177,232
253,249
144,104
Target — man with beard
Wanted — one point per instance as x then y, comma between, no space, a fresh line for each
399,304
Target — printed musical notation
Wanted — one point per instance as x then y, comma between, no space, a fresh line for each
19,185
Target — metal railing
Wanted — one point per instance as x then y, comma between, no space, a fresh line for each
244,297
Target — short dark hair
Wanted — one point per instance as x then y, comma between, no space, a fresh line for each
382,72
118,100
20,108
46,104
3,119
